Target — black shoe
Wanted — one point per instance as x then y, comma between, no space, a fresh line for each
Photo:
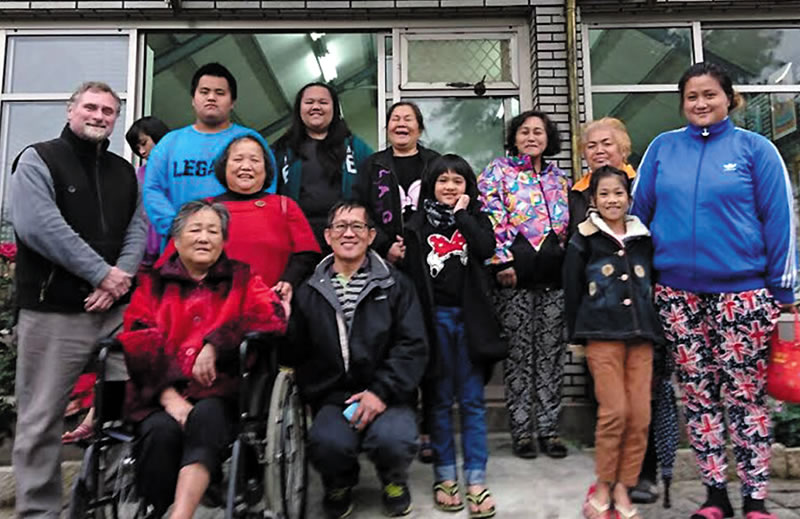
396,500
338,502
644,493
524,448
553,447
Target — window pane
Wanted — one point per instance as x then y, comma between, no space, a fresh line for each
448,61
639,56
470,127
25,123
775,117
39,64
645,115
755,56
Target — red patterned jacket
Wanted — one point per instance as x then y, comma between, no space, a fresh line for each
171,317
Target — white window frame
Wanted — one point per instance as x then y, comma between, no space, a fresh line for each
130,109
697,27
64,96
516,29
653,88
427,35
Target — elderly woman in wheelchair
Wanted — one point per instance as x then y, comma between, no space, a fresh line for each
181,337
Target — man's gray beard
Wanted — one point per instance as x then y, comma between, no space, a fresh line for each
93,134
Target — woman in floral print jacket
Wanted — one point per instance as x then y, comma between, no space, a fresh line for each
527,200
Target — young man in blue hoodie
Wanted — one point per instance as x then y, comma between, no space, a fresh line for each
180,167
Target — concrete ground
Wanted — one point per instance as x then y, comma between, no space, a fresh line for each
529,489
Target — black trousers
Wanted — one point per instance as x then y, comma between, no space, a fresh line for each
390,442
163,447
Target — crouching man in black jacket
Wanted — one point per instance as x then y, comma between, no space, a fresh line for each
359,336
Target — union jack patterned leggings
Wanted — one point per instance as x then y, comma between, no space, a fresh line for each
720,343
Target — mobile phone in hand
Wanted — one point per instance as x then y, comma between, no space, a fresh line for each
349,411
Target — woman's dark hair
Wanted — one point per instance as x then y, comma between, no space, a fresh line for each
719,74
221,162
414,108
605,172
330,150
151,126
550,128
456,164
215,70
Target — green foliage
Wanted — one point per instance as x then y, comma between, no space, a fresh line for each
786,425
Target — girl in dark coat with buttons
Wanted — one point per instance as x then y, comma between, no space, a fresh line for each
609,306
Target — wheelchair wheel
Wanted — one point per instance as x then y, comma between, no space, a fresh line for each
84,489
245,492
286,476
126,501
105,487
88,487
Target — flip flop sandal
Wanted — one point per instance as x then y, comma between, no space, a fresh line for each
450,490
709,512
81,432
627,513
477,500
594,510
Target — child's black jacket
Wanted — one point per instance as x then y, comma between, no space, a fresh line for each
481,326
608,289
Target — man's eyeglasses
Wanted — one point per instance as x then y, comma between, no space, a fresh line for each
339,228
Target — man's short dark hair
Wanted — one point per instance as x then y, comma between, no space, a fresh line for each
349,205
216,70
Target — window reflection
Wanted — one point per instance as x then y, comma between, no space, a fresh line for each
639,56
755,56
471,127
645,115
269,70
775,117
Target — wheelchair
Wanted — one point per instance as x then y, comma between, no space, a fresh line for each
266,476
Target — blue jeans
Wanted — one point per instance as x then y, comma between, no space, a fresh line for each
458,378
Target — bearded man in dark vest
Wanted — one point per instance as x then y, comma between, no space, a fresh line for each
80,235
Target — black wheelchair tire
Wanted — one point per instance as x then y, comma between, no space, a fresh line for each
126,501
83,488
286,477
79,500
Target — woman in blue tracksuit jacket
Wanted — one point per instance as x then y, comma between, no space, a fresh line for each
718,202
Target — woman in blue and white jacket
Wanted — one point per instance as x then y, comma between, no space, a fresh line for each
718,202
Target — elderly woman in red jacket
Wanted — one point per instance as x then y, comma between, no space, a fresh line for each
182,329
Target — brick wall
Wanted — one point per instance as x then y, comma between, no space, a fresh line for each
548,30
686,7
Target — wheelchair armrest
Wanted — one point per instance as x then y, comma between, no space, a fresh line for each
258,353
248,347
106,347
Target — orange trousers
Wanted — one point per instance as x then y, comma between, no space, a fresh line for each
622,377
